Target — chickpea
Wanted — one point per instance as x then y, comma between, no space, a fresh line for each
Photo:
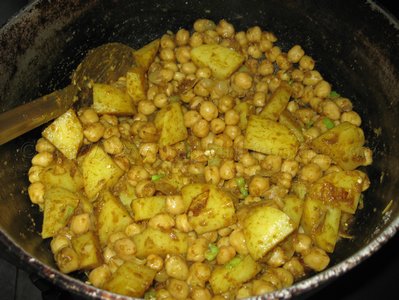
302,243
176,267
200,294
146,107
226,103
197,249
191,118
322,89
227,170
272,163
282,62
178,289
323,161
237,240
196,40
36,192
351,117
80,223
133,229
162,221
160,100
182,37
316,258
331,110
67,260
261,287
273,53
312,78
42,159
113,145
58,243
155,262
44,145
259,99
226,253
344,104
174,204
145,188
232,131
110,131
167,54
258,186
167,42
201,128
231,117
109,120
212,174
306,63
217,126
199,273
148,132
295,267
276,257
202,25
243,80
265,44
88,116
254,51
182,223
241,38
270,277
138,173
125,248
225,29
295,54
292,106
188,68
208,110
100,275
108,254
183,54
290,166
274,83
149,152
333,169
34,173
162,293
310,172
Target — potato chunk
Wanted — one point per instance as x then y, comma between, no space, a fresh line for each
277,103
343,143
155,241
66,134
210,210
321,222
108,99
340,189
264,228
170,122
99,171
112,216
136,84
147,207
59,206
221,60
88,249
293,207
131,279
269,137
233,274
146,54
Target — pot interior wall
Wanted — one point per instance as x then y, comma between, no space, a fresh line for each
350,51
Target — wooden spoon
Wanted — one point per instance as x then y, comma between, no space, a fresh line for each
104,64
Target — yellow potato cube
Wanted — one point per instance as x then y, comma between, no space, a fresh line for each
59,206
221,60
108,99
136,84
155,241
264,228
277,103
269,137
131,279
343,143
66,134
147,207
170,122
146,55
111,215
211,210
88,249
99,171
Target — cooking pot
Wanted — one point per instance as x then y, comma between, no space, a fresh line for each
355,47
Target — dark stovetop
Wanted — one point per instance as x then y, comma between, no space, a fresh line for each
376,278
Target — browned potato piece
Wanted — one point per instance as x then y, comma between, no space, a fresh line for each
277,103
88,249
131,279
146,55
66,134
343,143
108,99
136,84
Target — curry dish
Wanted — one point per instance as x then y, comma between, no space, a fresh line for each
217,166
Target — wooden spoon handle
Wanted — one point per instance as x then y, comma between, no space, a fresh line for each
21,119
